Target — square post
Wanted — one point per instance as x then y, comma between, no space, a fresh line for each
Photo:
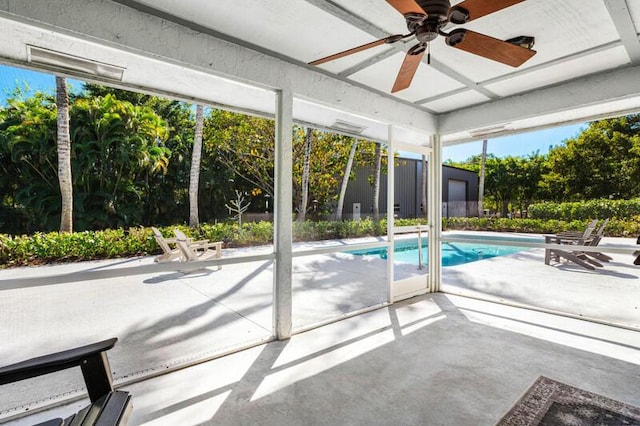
390,210
434,196
282,218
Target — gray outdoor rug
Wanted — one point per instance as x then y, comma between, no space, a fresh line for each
551,403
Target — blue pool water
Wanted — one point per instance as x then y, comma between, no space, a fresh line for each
452,253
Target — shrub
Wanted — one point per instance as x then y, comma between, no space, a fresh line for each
113,243
615,227
584,210
86,245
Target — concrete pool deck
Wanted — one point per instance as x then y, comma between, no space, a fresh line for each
610,293
168,319
436,359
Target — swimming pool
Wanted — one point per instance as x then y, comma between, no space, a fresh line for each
453,253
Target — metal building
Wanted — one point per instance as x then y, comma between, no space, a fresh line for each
459,192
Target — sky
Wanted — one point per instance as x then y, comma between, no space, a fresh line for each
516,145
10,77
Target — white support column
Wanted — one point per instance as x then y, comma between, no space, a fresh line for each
283,230
435,214
390,210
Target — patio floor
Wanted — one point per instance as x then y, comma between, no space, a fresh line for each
167,319
436,359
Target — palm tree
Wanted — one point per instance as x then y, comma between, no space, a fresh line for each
376,183
424,185
345,179
302,208
481,184
64,155
195,168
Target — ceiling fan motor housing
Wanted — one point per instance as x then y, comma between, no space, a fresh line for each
435,8
427,32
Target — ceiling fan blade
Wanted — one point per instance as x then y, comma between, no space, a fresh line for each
407,71
386,40
406,6
474,9
489,47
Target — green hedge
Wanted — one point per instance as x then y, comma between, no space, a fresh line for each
114,243
87,245
615,227
312,231
585,210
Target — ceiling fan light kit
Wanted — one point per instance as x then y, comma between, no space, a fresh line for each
426,20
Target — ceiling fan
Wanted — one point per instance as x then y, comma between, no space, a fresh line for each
426,20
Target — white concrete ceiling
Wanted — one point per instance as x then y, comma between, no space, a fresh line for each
237,52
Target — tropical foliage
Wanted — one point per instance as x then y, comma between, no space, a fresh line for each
114,243
138,241
131,162
28,170
243,150
615,227
585,210
116,148
603,161
510,182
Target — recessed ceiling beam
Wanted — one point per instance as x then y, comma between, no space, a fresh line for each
123,28
368,62
442,96
449,72
348,17
620,84
621,16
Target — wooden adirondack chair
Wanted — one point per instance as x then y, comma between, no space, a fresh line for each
572,238
198,250
168,253
595,241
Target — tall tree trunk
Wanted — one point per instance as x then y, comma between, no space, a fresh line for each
376,184
424,186
64,156
345,179
505,208
194,177
302,208
481,183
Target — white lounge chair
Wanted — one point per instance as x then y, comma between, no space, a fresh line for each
168,253
198,250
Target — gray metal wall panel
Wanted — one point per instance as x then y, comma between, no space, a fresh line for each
408,182
460,174
405,188
359,191
421,211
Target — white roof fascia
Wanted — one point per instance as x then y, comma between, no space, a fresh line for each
114,25
592,90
